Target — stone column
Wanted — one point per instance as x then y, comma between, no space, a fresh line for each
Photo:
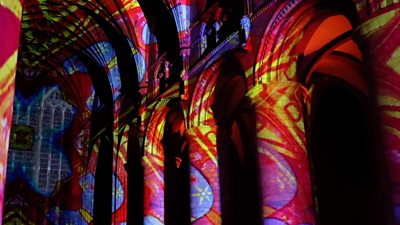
153,166
380,39
204,175
283,161
10,17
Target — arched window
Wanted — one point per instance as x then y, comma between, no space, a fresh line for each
43,163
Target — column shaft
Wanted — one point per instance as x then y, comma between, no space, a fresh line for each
204,175
10,17
380,37
283,160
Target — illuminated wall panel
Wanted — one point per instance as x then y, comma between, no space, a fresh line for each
204,176
10,15
44,163
381,35
284,170
62,174
153,189
153,163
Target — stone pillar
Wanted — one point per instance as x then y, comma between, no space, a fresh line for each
204,175
283,161
153,166
10,17
380,39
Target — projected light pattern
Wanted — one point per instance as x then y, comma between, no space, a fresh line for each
182,16
10,15
64,217
107,59
201,194
73,65
140,65
150,220
204,186
144,39
82,216
75,24
46,164
154,188
372,7
153,163
85,214
277,59
104,53
89,27
286,188
277,98
385,52
120,178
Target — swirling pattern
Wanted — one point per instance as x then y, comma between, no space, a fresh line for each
153,163
203,158
154,187
382,37
284,171
85,214
201,194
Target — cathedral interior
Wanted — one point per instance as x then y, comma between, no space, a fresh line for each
203,112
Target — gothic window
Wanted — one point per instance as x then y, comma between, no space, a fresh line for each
44,163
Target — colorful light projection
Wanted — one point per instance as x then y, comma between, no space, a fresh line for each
278,100
77,28
46,163
368,8
105,54
204,186
181,10
203,171
64,215
84,215
381,35
153,163
143,39
202,142
285,177
10,15
281,134
120,178
45,166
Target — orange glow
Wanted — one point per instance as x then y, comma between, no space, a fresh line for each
343,68
326,32
350,48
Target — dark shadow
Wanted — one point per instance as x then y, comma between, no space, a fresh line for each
101,128
233,11
343,155
162,25
135,172
176,168
237,149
